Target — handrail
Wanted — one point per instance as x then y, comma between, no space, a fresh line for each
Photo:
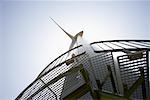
58,65
132,45
58,58
46,71
120,41
39,77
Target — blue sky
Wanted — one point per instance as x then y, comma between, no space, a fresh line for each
29,40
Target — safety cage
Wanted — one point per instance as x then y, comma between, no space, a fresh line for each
120,69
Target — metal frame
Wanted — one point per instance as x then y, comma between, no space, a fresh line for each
50,74
51,67
135,74
131,45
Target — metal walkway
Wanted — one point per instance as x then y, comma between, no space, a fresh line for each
133,67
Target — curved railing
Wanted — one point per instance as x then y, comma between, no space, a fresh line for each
52,70
59,60
120,45
48,86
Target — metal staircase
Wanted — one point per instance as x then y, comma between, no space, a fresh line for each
115,70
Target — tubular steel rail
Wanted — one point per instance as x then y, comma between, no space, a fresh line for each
40,84
120,45
49,83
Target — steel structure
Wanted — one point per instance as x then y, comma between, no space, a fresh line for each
112,70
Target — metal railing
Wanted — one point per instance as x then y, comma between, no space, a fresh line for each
41,86
120,45
49,83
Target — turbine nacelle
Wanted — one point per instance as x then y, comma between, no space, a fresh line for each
73,38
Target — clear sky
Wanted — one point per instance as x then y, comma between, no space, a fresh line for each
29,40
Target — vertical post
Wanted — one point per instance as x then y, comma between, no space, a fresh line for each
148,74
112,79
85,75
99,84
143,83
125,88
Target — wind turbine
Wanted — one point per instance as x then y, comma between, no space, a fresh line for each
95,71
73,38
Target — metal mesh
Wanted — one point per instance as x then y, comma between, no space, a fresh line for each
129,69
47,86
120,45
52,83
75,80
100,63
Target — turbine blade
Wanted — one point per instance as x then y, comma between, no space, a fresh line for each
62,28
